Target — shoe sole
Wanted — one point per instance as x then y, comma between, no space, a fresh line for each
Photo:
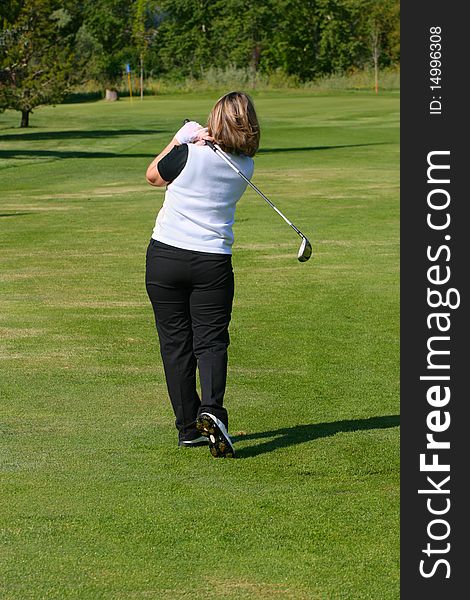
219,445
193,444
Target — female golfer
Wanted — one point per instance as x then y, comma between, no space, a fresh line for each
189,275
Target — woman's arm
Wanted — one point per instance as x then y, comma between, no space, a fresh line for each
153,176
191,131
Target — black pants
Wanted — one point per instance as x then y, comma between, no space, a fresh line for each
191,294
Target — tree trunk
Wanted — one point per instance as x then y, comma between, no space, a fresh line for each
255,56
376,73
254,62
111,95
25,118
375,45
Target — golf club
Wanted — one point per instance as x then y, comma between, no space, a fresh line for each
305,250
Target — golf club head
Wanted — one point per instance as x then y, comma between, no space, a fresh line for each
305,250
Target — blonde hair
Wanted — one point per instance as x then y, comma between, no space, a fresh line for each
234,125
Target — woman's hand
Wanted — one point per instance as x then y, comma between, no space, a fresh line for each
201,137
188,132
191,132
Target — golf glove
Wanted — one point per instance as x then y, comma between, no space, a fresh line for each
188,132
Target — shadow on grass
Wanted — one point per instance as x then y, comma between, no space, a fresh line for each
76,134
19,154
314,148
299,434
16,214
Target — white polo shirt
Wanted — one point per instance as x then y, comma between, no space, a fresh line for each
199,207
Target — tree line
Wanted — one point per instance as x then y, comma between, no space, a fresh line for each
48,46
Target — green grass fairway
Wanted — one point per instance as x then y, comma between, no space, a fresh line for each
97,499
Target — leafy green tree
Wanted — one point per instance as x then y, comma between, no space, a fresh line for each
294,39
340,46
242,31
185,36
320,37
302,38
144,31
9,10
108,27
138,34
36,55
381,33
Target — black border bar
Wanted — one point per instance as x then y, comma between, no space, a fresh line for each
435,253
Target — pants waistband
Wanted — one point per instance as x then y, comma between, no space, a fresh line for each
183,251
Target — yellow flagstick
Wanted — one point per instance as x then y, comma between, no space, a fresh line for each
128,70
130,85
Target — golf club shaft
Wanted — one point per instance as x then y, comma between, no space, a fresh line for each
222,155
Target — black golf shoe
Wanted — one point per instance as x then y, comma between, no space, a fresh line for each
193,442
220,444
